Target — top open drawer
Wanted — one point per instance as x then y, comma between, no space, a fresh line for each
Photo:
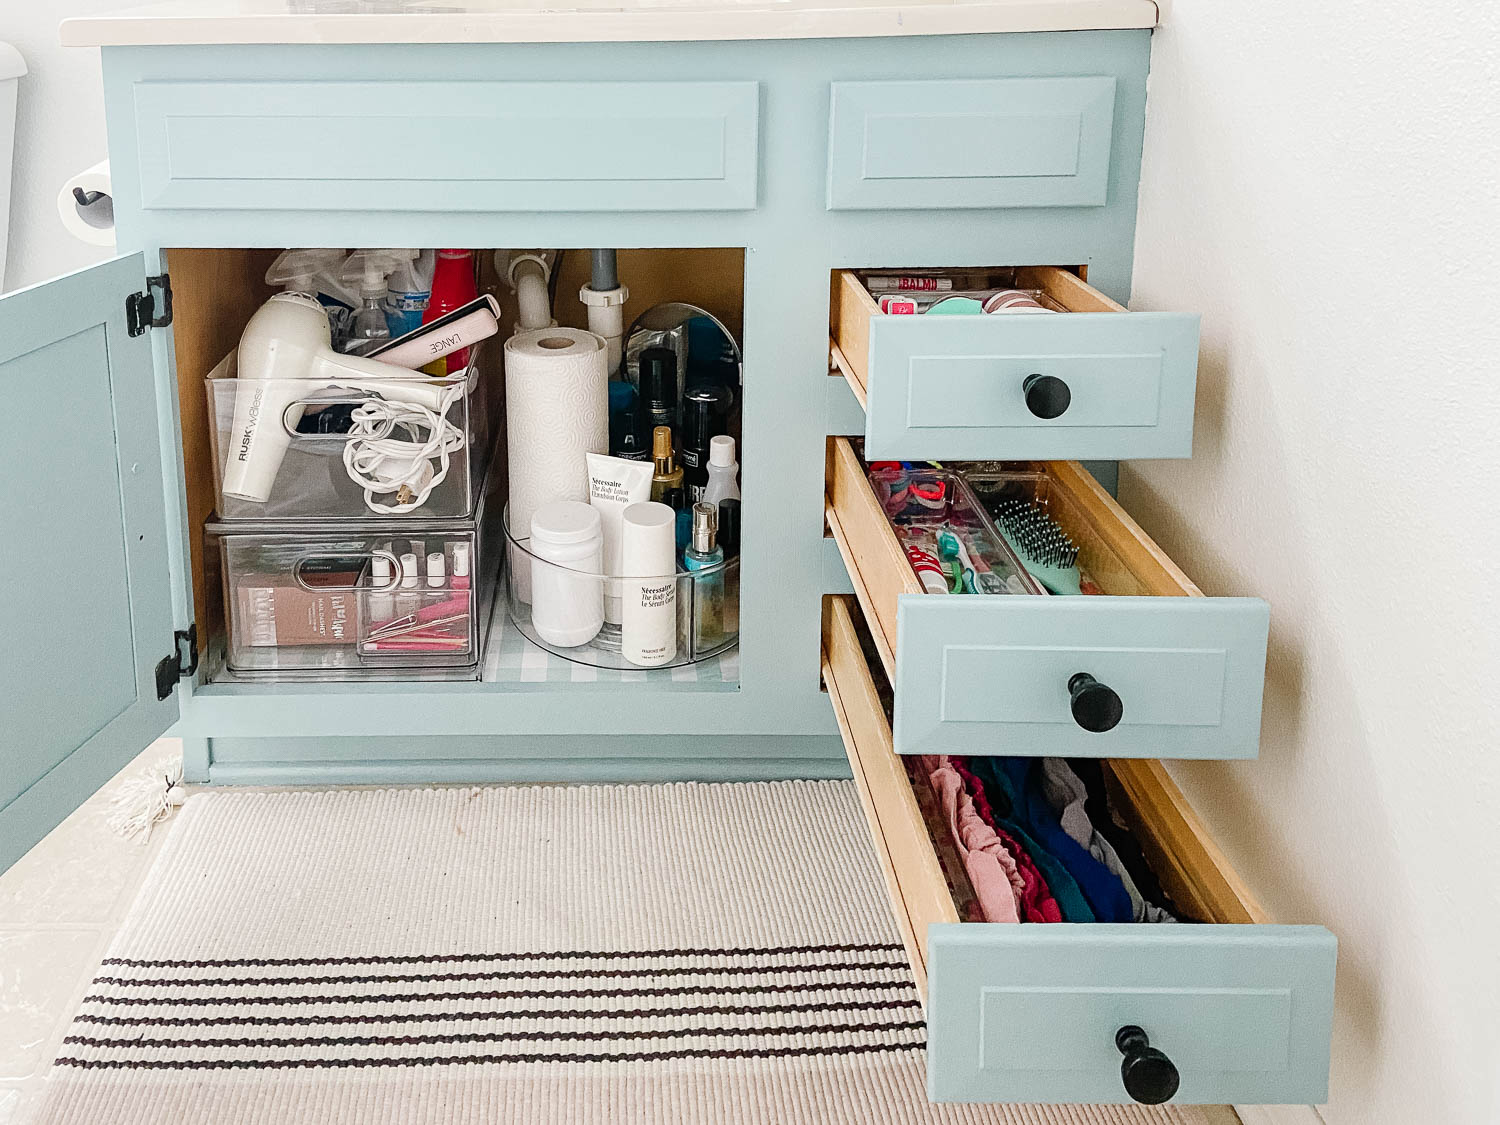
990,386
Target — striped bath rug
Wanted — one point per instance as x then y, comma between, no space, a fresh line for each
588,955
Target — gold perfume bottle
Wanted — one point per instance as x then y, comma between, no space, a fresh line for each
668,473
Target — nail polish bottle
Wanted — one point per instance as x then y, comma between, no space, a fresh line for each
460,566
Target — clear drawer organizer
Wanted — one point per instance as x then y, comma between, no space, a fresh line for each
377,428
330,605
704,604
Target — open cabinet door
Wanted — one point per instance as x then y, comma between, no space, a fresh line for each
87,617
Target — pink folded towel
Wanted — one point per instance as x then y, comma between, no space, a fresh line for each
991,869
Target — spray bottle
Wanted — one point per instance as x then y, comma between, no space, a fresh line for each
368,270
407,292
316,271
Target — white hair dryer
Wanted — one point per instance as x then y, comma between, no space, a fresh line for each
285,347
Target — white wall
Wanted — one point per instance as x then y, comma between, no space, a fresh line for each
1322,181
59,131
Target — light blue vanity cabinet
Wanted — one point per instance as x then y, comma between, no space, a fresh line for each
873,147
260,145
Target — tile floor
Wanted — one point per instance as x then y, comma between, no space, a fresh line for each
59,907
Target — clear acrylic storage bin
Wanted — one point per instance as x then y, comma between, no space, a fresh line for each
382,602
660,621
317,449
997,486
948,538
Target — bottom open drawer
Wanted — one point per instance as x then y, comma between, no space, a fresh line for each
1241,1008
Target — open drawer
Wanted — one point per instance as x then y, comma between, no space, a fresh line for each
1095,382
1242,1009
993,673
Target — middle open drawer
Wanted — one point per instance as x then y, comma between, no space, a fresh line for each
999,674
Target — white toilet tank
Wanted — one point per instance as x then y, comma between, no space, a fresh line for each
12,67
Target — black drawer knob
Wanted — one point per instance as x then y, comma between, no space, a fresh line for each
1149,1076
1096,707
1047,396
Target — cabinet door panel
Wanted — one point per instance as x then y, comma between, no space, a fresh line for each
89,614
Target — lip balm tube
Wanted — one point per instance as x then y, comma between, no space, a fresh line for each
382,605
460,566
408,602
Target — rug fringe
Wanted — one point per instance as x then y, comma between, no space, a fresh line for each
147,798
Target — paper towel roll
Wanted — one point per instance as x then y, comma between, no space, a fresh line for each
93,222
556,412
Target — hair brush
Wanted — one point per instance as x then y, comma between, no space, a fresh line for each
1044,548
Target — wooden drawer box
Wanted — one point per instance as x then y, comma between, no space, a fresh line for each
1029,1012
991,673
939,387
505,146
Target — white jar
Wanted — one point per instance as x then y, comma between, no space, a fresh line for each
567,590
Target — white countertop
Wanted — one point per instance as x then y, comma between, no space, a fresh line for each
581,21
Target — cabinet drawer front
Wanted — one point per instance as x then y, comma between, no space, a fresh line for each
954,387
1029,1013
470,146
999,142
991,675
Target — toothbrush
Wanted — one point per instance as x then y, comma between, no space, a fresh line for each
952,548
1049,555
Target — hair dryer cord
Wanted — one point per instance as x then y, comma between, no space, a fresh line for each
392,447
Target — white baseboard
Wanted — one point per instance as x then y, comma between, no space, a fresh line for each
1279,1115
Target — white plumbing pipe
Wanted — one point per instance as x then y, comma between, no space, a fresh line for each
527,274
607,319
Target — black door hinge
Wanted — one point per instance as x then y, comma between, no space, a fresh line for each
151,309
182,662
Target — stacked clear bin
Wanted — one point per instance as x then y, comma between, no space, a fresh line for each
334,573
